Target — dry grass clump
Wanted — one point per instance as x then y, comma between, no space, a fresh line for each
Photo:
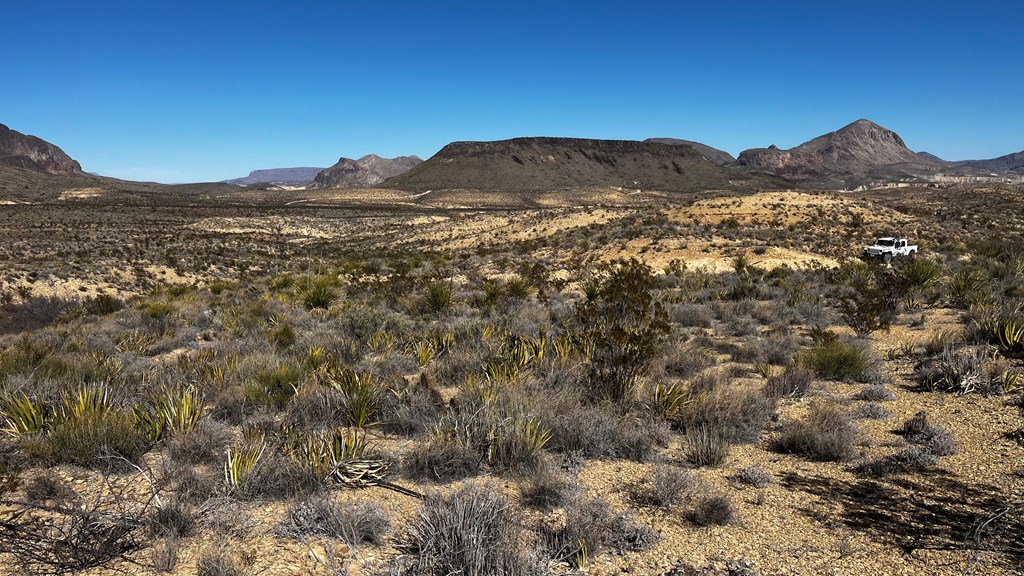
319,515
826,434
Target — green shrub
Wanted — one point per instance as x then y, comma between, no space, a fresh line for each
622,329
439,297
826,434
318,294
705,446
274,387
968,287
92,439
838,360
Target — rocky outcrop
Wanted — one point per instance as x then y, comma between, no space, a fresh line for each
370,170
24,151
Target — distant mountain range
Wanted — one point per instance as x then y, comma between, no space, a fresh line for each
861,154
283,176
529,164
24,151
367,171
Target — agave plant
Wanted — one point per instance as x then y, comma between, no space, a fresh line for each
240,463
323,453
23,415
668,400
88,401
171,411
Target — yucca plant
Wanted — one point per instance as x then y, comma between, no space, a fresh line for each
23,415
517,443
88,401
322,453
968,288
240,463
318,295
423,351
382,342
563,348
171,411
439,297
364,396
1011,338
668,399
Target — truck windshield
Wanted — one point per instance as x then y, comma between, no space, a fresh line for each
884,242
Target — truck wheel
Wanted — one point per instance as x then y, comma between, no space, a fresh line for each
887,257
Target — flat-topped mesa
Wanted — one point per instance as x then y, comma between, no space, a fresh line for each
548,164
32,153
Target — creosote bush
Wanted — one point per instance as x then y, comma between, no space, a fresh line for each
838,360
826,434
472,531
713,510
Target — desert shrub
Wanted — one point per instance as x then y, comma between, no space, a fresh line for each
472,531
705,446
318,294
194,486
99,439
165,554
321,516
172,519
411,409
517,445
912,459
934,439
691,315
754,476
685,361
838,360
875,393
667,486
438,297
255,471
826,434
221,562
967,288
590,527
315,407
794,382
1002,328
596,432
547,488
865,301
274,387
916,277
712,510
47,487
622,326
954,370
871,411
442,461
738,416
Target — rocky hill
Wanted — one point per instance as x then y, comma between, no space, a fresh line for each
1011,163
24,151
720,157
286,176
858,153
367,171
544,164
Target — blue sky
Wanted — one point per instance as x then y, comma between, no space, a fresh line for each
190,91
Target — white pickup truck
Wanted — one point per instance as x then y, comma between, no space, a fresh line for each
888,248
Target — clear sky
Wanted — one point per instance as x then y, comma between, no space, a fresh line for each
179,91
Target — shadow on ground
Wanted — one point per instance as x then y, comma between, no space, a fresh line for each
932,511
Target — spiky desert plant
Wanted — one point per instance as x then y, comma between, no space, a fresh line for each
705,446
382,342
318,295
87,401
517,443
323,452
668,399
423,351
563,348
172,410
364,395
240,463
23,415
968,288
439,297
